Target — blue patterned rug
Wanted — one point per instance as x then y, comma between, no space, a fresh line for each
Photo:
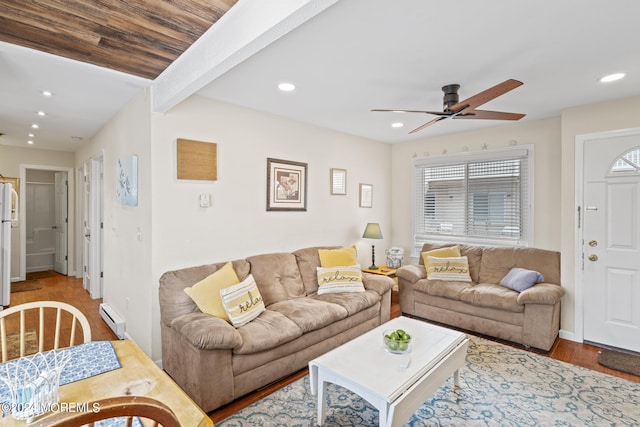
500,386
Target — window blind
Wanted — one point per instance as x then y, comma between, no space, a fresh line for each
473,198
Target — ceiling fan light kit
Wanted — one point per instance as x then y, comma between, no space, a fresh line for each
452,108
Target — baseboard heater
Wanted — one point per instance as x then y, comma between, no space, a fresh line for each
113,320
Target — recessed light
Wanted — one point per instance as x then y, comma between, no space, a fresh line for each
42,113
46,93
31,135
35,126
397,125
612,77
30,142
286,87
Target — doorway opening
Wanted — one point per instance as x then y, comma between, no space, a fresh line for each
45,222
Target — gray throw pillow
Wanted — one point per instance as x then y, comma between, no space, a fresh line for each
520,279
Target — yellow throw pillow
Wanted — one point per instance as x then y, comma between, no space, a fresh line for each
242,302
334,280
448,252
338,257
206,293
453,269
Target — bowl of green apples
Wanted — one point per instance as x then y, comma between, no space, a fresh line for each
396,341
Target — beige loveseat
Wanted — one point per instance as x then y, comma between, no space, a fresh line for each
215,363
530,317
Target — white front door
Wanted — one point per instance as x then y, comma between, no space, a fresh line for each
60,225
611,241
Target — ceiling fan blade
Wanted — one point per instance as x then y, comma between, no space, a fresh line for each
437,119
489,115
436,113
486,95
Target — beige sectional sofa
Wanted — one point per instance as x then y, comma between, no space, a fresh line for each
215,363
530,317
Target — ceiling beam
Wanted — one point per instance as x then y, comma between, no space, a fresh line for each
245,29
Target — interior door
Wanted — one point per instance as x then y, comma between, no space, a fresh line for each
611,241
61,223
86,215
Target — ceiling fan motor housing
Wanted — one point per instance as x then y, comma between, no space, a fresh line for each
450,96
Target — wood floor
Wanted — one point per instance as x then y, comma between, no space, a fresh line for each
69,289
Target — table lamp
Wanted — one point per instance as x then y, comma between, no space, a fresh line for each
372,231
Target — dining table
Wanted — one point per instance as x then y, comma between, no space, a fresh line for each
130,372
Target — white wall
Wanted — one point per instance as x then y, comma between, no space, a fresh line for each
238,225
128,287
603,117
543,134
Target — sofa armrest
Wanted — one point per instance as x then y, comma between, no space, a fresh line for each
412,273
377,282
541,293
207,332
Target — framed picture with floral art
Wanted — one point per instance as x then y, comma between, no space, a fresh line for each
286,185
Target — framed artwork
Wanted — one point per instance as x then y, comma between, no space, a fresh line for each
366,195
197,160
286,185
338,181
127,185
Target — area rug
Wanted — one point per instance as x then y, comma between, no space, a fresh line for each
620,361
500,386
30,344
26,285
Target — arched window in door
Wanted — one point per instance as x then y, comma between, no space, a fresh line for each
629,162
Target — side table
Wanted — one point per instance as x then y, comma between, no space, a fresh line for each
382,270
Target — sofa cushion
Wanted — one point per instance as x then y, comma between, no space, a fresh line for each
308,261
496,263
492,295
352,302
520,279
441,288
335,280
309,313
277,277
338,257
267,331
242,302
455,269
174,301
473,254
206,293
445,252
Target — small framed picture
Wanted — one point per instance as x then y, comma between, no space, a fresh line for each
338,181
366,195
286,185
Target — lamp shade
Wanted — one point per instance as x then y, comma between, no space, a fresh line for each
372,231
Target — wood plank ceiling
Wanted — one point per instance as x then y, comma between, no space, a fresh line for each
139,37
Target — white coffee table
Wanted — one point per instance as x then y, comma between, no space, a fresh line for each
363,366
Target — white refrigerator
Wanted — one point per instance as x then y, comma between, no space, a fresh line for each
8,214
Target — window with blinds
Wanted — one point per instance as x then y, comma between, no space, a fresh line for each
482,198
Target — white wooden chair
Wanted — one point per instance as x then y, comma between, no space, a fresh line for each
122,406
43,307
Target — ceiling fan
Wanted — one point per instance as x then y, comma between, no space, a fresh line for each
455,109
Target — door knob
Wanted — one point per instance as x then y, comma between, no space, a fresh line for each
593,243
593,257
